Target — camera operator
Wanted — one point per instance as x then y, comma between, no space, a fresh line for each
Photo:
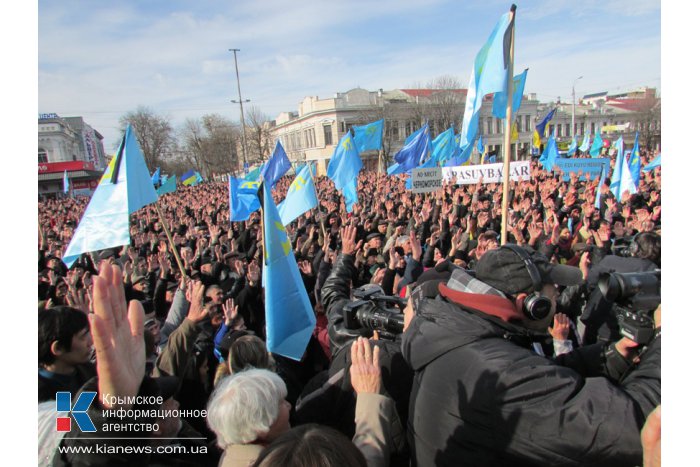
481,396
332,400
644,254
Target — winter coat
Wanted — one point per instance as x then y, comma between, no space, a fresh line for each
482,397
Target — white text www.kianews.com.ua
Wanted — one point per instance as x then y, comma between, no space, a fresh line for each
111,449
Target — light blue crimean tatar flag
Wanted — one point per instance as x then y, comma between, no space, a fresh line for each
369,137
572,147
343,169
601,182
586,143
480,145
462,158
489,74
500,99
253,175
156,176
597,145
66,183
415,151
276,166
635,161
124,188
301,197
550,154
653,164
444,145
621,179
243,198
169,186
289,318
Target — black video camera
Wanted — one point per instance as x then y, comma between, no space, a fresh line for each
375,311
635,296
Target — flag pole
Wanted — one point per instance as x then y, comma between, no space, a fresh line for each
318,206
170,240
506,143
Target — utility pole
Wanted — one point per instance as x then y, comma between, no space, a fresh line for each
240,101
573,106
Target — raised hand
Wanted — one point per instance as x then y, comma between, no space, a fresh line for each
365,372
560,331
230,311
348,240
197,311
117,332
305,267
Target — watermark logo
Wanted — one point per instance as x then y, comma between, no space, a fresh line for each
78,411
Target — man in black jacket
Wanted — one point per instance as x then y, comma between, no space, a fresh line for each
482,396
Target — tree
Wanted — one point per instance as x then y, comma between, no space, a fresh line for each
153,132
210,144
442,106
649,121
258,134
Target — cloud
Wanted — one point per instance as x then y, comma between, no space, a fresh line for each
103,60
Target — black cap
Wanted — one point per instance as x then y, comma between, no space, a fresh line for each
373,235
504,270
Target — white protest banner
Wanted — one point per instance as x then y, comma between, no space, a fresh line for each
614,128
426,180
491,173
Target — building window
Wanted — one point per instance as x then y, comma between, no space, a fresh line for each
592,128
43,156
568,129
327,135
489,126
518,124
528,126
558,129
498,126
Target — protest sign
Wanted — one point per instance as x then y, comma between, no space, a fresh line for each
587,166
426,180
491,173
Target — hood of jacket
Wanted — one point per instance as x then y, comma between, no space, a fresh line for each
440,326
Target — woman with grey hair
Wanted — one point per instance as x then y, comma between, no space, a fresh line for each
247,411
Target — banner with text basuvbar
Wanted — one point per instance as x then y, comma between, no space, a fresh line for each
491,173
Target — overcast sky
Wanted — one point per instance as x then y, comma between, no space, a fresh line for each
100,60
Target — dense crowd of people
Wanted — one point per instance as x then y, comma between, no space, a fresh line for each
505,355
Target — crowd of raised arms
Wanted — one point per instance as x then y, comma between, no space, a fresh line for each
126,322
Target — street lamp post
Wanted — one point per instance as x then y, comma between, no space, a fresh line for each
240,101
573,106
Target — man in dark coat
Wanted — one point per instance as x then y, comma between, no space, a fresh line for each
482,396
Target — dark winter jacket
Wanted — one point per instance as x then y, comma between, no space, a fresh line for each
480,399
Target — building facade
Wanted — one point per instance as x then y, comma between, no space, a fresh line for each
70,145
312,133
614,115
